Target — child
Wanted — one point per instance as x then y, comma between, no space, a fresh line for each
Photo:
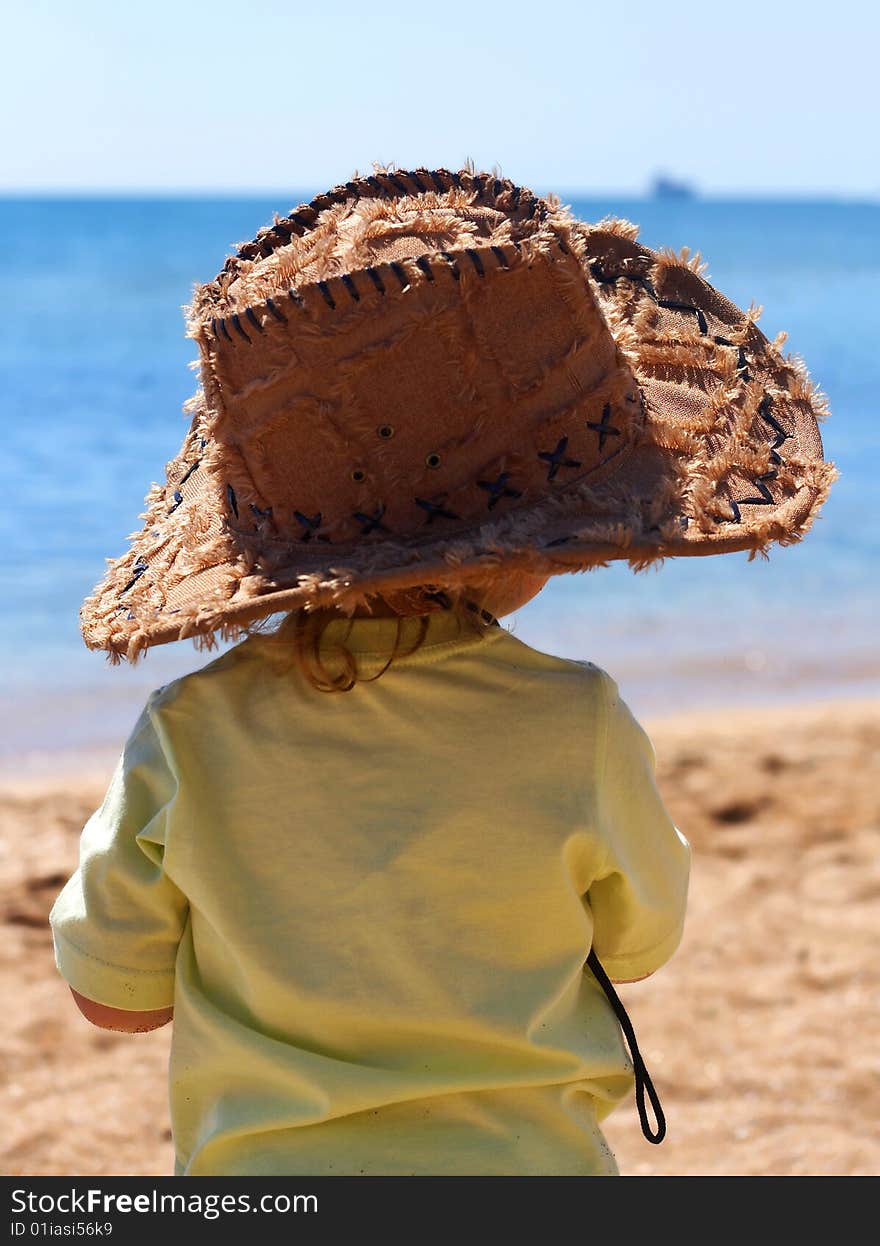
378,862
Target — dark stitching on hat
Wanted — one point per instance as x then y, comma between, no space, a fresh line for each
376,279
560,540
424,264
372,522
556,458
139,566
239,328
603,278
604,428
672,305
562,247
435,509
742,361
450,260
385,184
304,217
497,489
310,526
275,311
233,500
348,282
295,298
266,514
764,408
766,498
189,471
253,319
742,366
178,498
475,260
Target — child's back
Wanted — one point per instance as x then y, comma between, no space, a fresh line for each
380,905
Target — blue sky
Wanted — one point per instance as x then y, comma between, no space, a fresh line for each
744,98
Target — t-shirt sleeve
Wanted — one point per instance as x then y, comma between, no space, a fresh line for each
117,922
639,895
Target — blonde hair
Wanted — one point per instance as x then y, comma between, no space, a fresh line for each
298,638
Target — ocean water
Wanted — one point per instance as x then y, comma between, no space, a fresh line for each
95,372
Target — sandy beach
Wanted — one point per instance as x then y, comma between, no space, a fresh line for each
761,1034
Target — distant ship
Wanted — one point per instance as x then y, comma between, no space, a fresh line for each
664,187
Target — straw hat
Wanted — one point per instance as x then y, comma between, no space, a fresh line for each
424,378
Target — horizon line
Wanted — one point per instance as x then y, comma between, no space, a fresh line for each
693,195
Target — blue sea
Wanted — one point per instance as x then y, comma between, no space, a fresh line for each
95,372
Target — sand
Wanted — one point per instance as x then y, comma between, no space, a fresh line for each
761,1034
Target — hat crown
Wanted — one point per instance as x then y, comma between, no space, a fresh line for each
409,361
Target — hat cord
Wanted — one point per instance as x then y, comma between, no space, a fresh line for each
643,1078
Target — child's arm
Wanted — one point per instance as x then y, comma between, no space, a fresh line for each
118,921
107,1018
639,896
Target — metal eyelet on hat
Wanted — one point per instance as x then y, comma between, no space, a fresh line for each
358,475
385,431
433,459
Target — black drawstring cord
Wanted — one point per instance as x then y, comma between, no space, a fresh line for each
643,1078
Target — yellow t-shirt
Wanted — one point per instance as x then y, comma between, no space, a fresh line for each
371,909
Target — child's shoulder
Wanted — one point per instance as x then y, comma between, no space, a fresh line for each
570,685
581,670
214,679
